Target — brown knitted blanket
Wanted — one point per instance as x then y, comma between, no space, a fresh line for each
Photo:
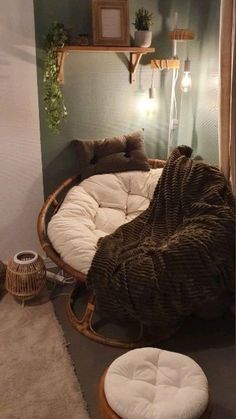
175,256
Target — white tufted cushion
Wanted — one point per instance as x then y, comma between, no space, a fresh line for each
150,383
95,208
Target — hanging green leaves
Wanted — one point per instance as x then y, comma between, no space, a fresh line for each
53,97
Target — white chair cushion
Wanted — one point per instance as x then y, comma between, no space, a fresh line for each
95,208
150,383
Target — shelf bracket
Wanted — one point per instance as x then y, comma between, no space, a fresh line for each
135,57
136,54
60,62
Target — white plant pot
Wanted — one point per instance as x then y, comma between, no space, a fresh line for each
142,38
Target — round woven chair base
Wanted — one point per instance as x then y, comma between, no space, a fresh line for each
108,413
84,326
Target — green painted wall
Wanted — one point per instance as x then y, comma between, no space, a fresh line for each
100,100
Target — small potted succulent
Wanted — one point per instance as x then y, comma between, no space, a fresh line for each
142,24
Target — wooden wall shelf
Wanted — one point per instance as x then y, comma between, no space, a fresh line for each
136,54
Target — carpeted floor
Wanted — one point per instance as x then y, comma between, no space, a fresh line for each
210,343
37,377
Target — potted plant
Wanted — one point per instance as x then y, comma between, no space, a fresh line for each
53,98
142,24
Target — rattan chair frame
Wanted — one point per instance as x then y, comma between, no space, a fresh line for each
84,326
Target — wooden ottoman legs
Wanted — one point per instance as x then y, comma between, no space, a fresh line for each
105,409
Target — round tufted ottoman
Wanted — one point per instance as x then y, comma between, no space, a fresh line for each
150,383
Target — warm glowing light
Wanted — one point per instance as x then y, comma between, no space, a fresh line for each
147,106
186,82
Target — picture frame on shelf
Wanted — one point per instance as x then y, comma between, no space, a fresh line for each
110,22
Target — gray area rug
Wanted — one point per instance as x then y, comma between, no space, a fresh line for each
37,379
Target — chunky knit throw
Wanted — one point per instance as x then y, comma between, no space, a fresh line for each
175,256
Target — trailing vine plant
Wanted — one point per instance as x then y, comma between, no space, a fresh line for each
53,97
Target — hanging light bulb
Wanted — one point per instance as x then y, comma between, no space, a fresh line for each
186,82
152,89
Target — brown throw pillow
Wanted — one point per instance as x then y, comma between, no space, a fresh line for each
117,154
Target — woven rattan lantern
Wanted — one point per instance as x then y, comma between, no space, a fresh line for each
26,275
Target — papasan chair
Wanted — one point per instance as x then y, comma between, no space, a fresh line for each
93,204
150,245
